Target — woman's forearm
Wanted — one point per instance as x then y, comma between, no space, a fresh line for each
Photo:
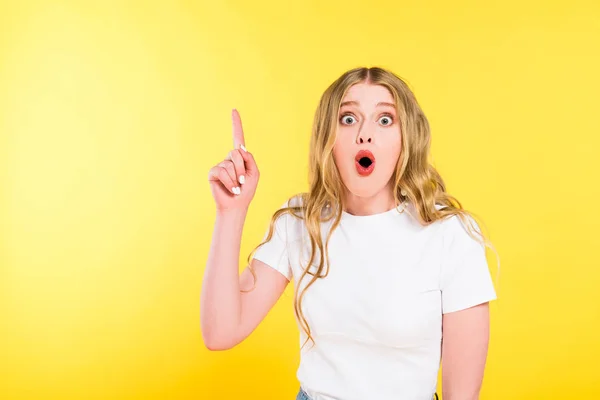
221,299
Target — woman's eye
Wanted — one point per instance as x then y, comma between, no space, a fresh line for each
348,119
386,120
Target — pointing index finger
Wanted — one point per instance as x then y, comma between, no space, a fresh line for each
238,132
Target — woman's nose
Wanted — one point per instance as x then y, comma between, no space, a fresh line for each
364,137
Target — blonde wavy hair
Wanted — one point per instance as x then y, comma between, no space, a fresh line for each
421,184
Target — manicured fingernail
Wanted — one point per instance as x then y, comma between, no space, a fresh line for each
234,190
243,148
242,179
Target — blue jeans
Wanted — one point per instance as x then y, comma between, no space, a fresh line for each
303,396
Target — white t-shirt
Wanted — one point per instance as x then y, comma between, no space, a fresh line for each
377,317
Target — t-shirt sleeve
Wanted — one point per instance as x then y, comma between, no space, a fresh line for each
274,253
465,277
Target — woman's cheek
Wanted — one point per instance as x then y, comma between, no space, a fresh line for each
340,160
390,159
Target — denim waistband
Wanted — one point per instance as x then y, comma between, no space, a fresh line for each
303,396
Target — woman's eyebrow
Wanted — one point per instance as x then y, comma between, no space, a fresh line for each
355,103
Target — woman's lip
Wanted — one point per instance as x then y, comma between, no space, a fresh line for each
364,171
364,153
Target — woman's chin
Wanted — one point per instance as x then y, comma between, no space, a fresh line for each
364,189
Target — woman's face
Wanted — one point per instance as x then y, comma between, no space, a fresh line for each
367,145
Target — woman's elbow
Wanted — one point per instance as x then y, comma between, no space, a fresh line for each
218,342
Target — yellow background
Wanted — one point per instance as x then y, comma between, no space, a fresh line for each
112,113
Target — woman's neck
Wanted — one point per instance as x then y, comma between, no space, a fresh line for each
379,203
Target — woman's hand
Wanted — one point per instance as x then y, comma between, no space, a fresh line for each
233,181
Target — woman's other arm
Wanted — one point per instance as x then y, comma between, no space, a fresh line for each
464,352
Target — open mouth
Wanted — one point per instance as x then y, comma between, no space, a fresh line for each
365,162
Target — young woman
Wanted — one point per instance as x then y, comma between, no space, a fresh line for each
389,270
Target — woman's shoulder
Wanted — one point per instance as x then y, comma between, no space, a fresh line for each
294,218
290,221
294,206
456,230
